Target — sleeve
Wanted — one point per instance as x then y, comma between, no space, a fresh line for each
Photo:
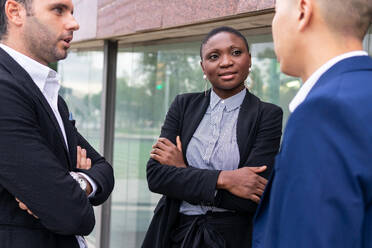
101,172
30,171
318,191
190,184
92,183
263,152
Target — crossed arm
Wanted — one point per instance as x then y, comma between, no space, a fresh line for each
244,182
83,163
238,190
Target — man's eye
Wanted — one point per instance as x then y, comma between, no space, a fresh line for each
236,52
58,10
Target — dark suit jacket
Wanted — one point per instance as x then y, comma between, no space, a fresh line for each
320,193
258,136
35,165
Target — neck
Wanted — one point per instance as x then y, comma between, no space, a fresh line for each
320,51
223,94
17,45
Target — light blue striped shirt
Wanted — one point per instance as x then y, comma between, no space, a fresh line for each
213,145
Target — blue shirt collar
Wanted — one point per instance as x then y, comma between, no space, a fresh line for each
231,103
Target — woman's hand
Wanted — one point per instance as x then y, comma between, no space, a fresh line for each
165,152
243,182
25,208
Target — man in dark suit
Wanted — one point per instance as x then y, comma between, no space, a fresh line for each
320,193
40,165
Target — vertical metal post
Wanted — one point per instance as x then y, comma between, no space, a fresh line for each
107,133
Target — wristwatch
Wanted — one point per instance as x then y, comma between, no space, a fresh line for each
82,182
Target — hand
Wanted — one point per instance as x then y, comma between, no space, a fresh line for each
24,207
165,152
82,162
244,182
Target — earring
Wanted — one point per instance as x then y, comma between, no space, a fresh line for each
250,69
205,85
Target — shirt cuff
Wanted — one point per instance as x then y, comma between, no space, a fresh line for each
92,183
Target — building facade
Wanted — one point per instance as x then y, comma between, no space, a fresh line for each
128,62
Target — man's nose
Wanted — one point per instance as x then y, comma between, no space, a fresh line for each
72,24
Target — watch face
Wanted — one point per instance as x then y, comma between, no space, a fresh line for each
83,184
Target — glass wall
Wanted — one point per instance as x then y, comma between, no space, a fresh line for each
367,44
81,87
148,79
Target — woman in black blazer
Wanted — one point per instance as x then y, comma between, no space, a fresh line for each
210,202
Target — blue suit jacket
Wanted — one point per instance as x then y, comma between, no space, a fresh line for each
320,193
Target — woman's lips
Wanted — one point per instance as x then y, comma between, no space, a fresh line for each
227,75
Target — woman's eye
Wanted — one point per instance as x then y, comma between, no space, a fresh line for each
236,53
213,57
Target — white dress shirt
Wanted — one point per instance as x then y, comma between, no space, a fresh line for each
311,81
47,80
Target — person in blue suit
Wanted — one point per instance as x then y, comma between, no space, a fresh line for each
320,192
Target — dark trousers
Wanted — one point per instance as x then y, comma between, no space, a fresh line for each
213,230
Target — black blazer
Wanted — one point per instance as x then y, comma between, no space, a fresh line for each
258,137
35,165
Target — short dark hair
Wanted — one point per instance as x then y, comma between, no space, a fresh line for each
3,18
348,17
223,29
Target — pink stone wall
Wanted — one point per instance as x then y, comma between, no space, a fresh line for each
129,16
123,17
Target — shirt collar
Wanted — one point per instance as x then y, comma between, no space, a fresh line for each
309,84
38,72
231,103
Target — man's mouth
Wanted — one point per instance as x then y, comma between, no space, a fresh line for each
67,40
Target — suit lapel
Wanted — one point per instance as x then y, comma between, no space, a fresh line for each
24,78
246,125
69,129
193,115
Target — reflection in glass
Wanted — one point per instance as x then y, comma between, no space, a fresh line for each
265,80
148,79
369,41
81,87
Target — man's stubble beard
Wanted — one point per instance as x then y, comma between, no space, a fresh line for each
41,42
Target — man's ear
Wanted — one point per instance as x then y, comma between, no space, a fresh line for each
15,12
305,13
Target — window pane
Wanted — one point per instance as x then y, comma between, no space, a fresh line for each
81,80
368,41
148,79
265,80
